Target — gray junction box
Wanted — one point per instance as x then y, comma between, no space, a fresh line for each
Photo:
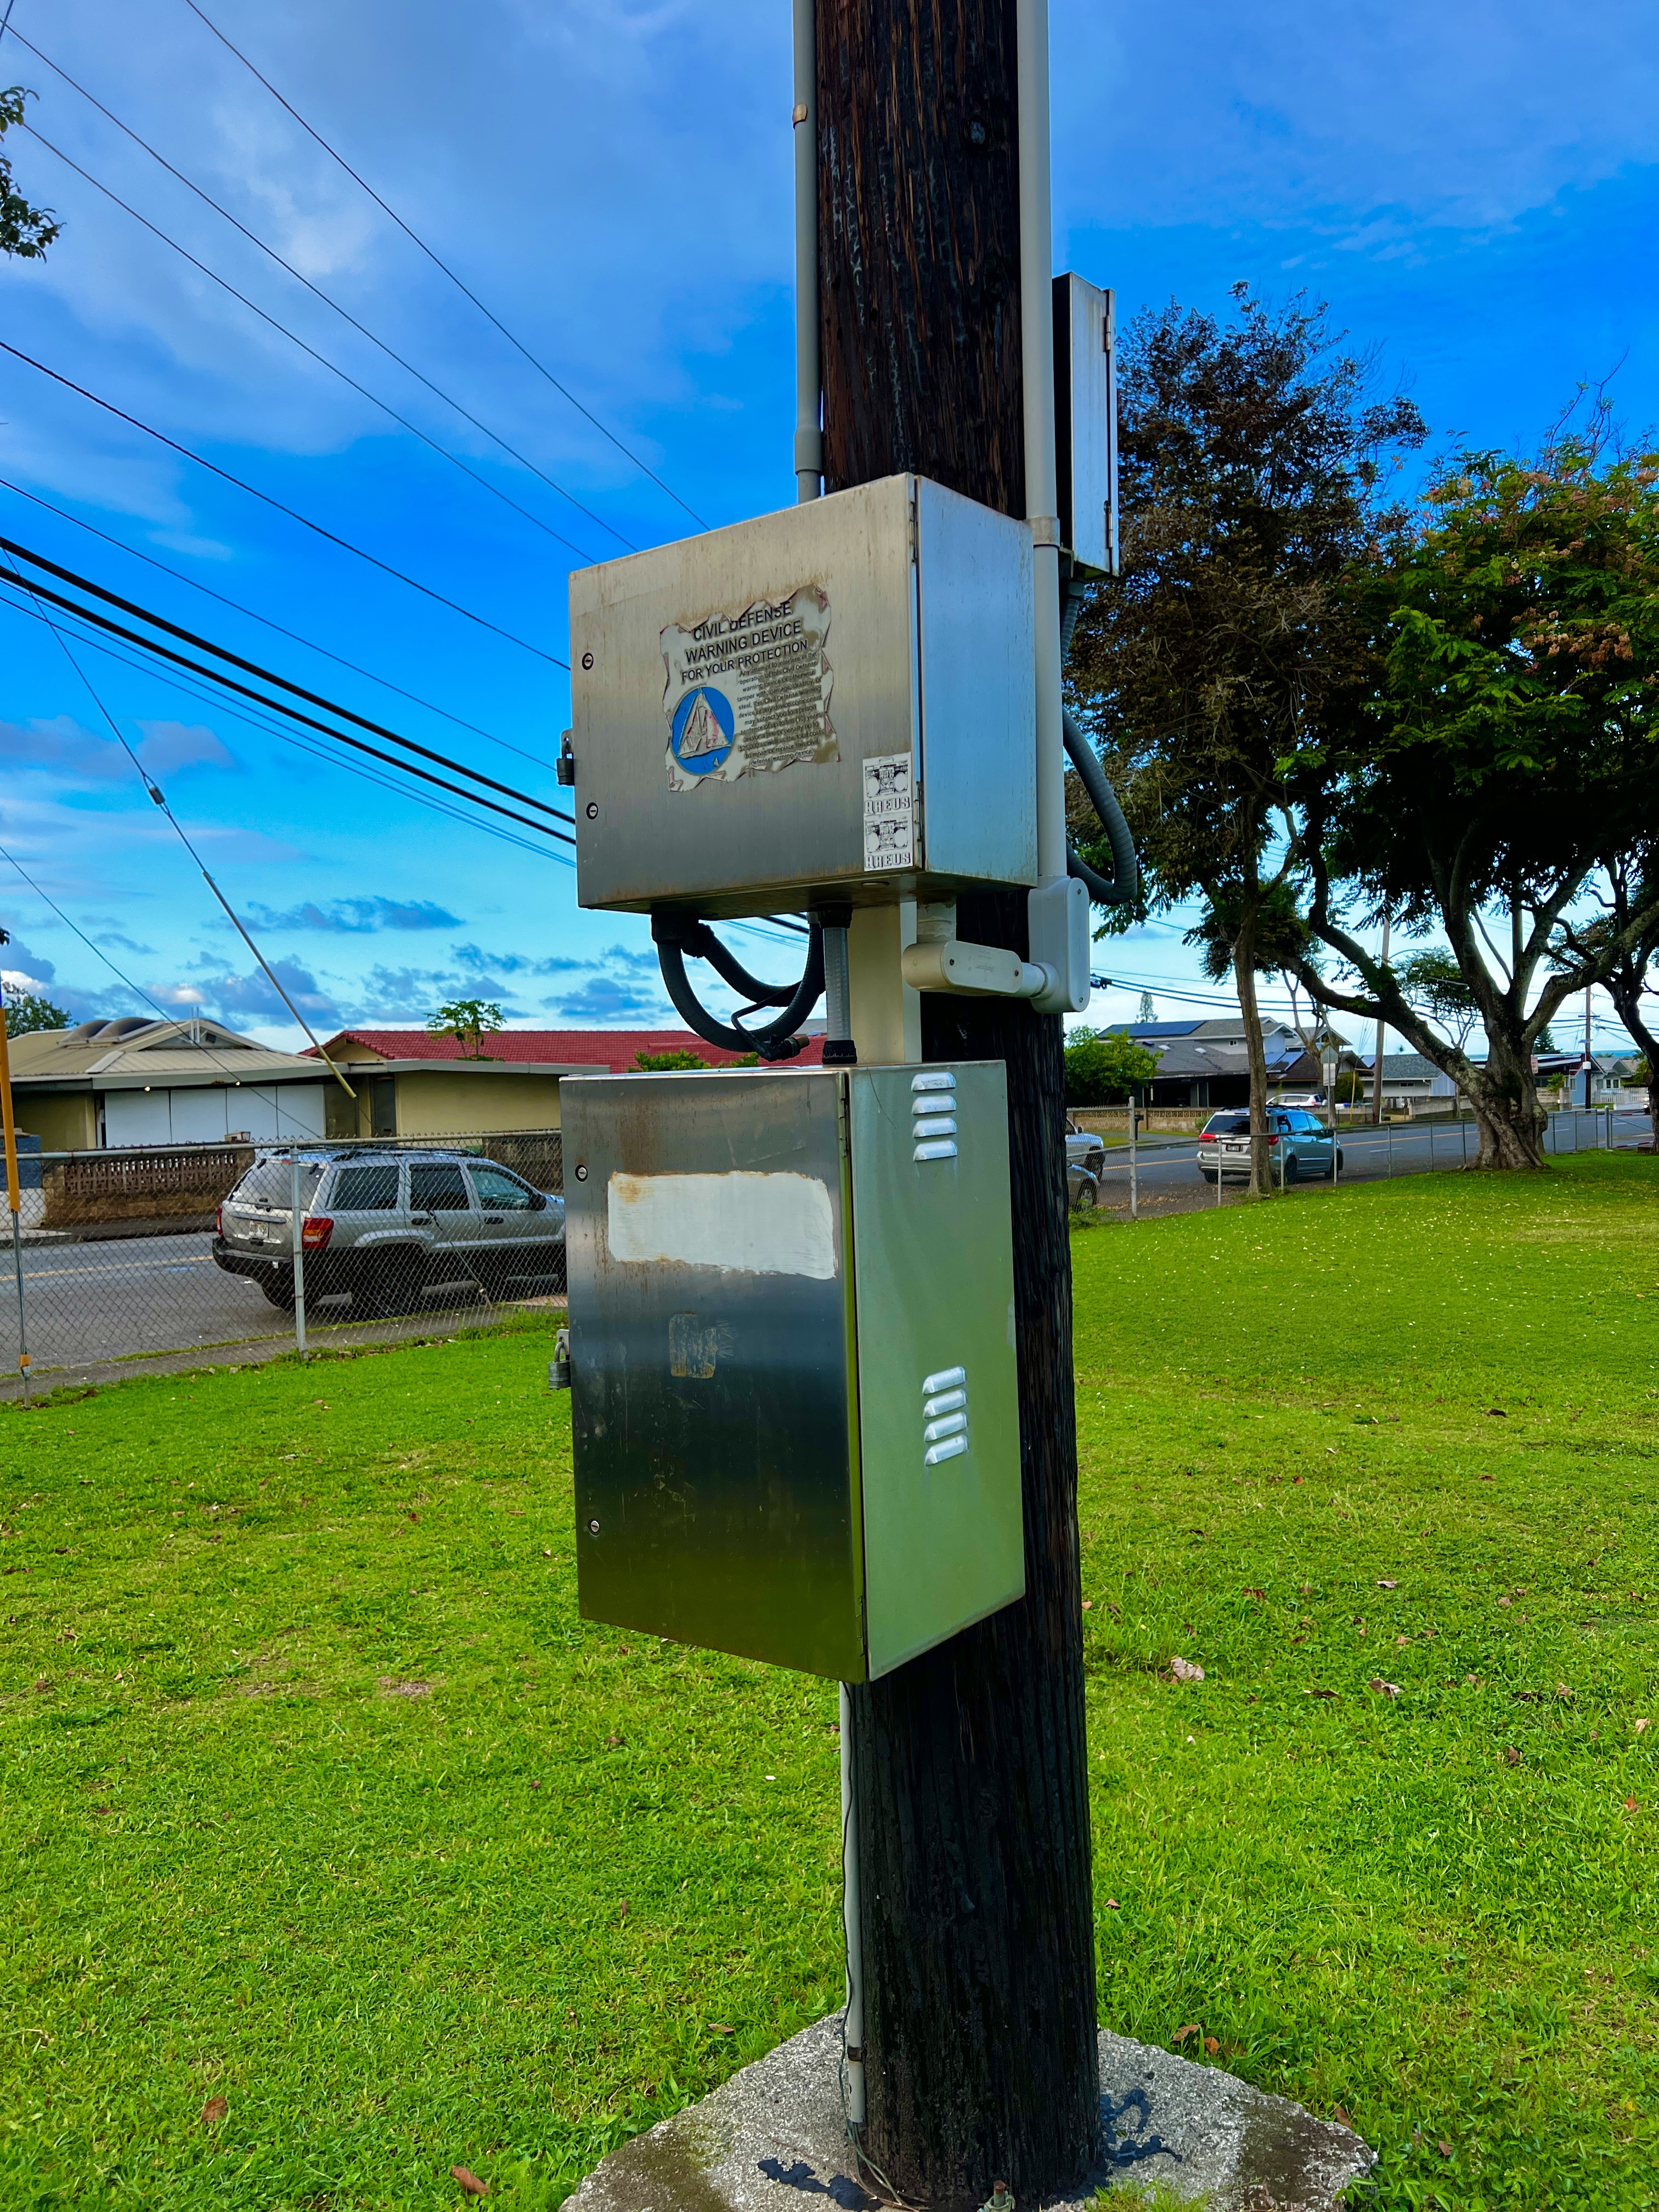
837,701
793,1360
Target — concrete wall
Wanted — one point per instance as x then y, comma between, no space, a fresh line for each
441,1104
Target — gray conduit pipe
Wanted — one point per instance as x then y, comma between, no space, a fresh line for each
1120,887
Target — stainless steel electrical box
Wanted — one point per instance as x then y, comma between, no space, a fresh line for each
1085,423
836,700
792,1358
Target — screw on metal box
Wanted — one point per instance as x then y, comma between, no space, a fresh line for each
593,1528
581,1172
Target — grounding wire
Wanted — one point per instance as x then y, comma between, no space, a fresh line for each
438,263
293,513
214,700
293,635
322,360
317,292
253,668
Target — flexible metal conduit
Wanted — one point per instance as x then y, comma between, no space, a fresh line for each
1118,888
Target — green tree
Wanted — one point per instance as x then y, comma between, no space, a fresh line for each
1103,1067
666,1063
468,1021
1223,666
1512,769
25,231
26,1011
1432,981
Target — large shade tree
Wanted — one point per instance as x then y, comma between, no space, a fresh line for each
1511,773
1254,476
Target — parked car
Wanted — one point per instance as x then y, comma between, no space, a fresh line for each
1082,1187
382,1226
1084,1147
1299,1146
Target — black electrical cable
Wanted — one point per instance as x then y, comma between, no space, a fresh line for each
278,706
677,935
321,359
266,675
438,263
293,513
286,737
252,614
317,292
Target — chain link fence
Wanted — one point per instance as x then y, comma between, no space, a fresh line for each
158,1256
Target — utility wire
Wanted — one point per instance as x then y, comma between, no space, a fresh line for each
38,592
136,989
252,668
322,360
285,736
158,799
438,263
317,292
253,614
293,513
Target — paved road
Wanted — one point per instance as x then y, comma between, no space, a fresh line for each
1169,1181
142,1297
88,1304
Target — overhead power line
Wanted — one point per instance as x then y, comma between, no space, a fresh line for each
137,990
88,614
159,799
286,734
293,513
322,360
316,291
438,262
253,614
266,675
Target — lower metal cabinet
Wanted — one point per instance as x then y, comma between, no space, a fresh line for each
792,1358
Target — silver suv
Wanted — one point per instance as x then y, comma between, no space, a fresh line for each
387,1226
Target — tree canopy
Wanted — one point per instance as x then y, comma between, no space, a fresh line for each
469,1021
26,231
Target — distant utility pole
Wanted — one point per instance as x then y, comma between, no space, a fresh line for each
971,1779
1376,1069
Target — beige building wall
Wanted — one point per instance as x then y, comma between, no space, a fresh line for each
63,1120
440,1104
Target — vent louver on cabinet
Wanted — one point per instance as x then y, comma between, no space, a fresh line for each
934,1114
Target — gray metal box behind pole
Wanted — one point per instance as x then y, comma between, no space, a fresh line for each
1086,422
793,1360
838,699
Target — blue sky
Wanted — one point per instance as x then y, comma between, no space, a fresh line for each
1473,188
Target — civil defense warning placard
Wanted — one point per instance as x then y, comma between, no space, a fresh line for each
890,813
748,691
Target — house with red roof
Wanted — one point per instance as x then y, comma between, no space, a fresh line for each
418,1083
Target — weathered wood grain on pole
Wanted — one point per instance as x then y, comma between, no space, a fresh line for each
972,1781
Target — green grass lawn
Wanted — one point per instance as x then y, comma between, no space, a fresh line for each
319,1799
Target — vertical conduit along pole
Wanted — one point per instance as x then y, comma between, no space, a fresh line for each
1036,329
809,484
853,2025
809,403
14,1198
1134,1178
297,1245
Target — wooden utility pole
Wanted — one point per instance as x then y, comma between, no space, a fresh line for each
972,1806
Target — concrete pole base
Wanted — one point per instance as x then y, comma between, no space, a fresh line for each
774,2137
